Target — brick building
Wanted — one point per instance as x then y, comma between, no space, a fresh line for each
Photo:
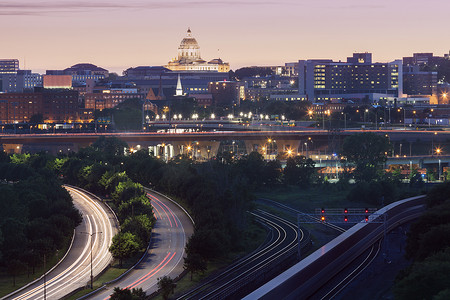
54,105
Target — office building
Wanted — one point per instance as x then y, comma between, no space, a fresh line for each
20,81
145,72
9,66
54,105
227,93
416,82
358,79
421,59
57,81
82,72
288,70
110,98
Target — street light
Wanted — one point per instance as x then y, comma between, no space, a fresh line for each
289,152
92,277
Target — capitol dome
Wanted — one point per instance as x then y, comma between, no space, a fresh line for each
189,42
189,49
189,58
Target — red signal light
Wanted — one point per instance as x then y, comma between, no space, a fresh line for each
345,211
366,219
345,219
322,210
367,210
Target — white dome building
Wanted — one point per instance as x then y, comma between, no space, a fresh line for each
189,58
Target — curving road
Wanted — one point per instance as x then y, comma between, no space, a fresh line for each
74,271
165,256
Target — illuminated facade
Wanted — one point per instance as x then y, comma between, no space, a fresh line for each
57,81
357,79
189,59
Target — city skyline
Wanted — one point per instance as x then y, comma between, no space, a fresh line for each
117,35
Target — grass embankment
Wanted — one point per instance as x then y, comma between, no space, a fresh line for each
110,274
6,280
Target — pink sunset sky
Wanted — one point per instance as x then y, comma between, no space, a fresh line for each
56,34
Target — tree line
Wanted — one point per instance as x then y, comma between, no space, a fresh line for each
428,247
37,216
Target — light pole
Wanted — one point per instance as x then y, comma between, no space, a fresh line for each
439,170
92,277
389,110
432,143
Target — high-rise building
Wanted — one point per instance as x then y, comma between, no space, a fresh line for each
416,82
22,80
189,59
358,79
9,66
420,59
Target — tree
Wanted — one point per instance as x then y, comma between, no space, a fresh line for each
368,152
273,172
128,115
36,119
126,190
194,263
425,279
126,294
166,286
110,147
124,245
14,267
141,226
253,166
299,170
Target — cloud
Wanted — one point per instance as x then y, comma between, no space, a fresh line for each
50,7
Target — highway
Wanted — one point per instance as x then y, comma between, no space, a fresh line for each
99,224
255,266
166,252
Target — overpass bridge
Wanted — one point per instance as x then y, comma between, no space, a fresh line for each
205,144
